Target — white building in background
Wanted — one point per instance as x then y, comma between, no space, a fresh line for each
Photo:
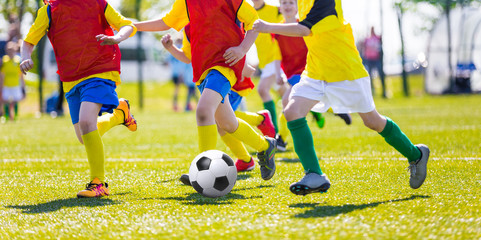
465,53
153,67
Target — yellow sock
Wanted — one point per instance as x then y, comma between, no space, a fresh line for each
249,136
283,130
237,147
251,118
95,154
109,120
207,137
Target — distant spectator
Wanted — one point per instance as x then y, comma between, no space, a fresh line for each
371,53
11,80
181,73
191,89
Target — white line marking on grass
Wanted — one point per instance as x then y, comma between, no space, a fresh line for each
41,160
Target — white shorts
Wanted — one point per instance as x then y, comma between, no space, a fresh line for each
342,97
12,94
270,70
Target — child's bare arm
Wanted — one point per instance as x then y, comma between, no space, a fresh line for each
123,34
26,55
286,29
152,25
176,52
235,54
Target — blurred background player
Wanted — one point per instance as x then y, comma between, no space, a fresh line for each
335,76
12,83
178,69
88,60
269,62
218,55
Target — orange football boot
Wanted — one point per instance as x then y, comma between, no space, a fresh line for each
129,120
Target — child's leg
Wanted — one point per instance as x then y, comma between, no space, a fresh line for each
240,129
206,125
251,118
5,109
236,146
283,130
120,115
16,109
91,138
109,120
11,110
295,113
393,135
264,89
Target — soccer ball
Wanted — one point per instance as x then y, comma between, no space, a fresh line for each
213,173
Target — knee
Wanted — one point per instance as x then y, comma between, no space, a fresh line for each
292,113
374,124
203,114
86,126
229,127
263,91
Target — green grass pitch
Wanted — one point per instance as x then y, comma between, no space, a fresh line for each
42,167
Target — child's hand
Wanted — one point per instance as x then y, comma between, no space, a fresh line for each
107,40
234,55
248,71
167,41
26,65
260,26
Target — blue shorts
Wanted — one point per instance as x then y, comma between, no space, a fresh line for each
96,90
235,100
217,82
294,79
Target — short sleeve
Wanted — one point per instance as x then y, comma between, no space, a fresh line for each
39,27
177,18
116,20
247,14
319,10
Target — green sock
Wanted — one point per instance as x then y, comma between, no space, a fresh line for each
304,145
6,111
396,138
271,107
16,110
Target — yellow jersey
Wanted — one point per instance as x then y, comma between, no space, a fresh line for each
11,71
267,47
178,18
40,27
332,54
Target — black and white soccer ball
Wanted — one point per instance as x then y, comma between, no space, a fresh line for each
213,173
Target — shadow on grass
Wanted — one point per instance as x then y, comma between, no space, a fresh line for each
244,176
250,188
288,160
198,199
331,211
287,151
56,205
168,180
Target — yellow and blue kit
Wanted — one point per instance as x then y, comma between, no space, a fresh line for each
267,47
